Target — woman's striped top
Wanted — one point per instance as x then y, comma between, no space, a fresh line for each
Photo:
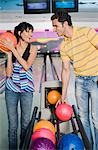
81,50
21,80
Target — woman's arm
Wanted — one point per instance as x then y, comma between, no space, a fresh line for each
9,65
26,64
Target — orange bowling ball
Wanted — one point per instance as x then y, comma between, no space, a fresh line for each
53,96
44,124
9,37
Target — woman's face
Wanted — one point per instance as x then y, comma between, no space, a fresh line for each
26,35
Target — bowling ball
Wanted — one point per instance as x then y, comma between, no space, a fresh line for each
70,142
64,112
9,37
44,133
42,144
53,96
44,124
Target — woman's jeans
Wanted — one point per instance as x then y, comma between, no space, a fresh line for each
12,100
86,90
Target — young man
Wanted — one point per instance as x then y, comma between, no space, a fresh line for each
80,46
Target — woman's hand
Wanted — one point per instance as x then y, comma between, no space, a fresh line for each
6,52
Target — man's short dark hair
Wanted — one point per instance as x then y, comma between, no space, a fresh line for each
62,17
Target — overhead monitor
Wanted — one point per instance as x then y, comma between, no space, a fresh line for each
36,6
68,5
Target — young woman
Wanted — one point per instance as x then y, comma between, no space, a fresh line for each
19,82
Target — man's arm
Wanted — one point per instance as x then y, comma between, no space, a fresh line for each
65,76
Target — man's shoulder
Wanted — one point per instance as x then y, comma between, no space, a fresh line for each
83,29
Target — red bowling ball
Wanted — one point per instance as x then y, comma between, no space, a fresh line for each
64,112
44,133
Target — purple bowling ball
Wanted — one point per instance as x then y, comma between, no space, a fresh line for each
42,144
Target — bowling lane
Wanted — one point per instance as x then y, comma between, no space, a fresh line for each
37,71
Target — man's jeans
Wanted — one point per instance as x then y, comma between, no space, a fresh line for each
12,100
86,89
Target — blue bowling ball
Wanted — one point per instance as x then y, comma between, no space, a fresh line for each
70,142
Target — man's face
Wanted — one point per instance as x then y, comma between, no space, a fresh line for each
58,27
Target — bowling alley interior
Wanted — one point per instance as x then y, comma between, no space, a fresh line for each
47,66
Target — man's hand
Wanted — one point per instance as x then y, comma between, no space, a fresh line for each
60,101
